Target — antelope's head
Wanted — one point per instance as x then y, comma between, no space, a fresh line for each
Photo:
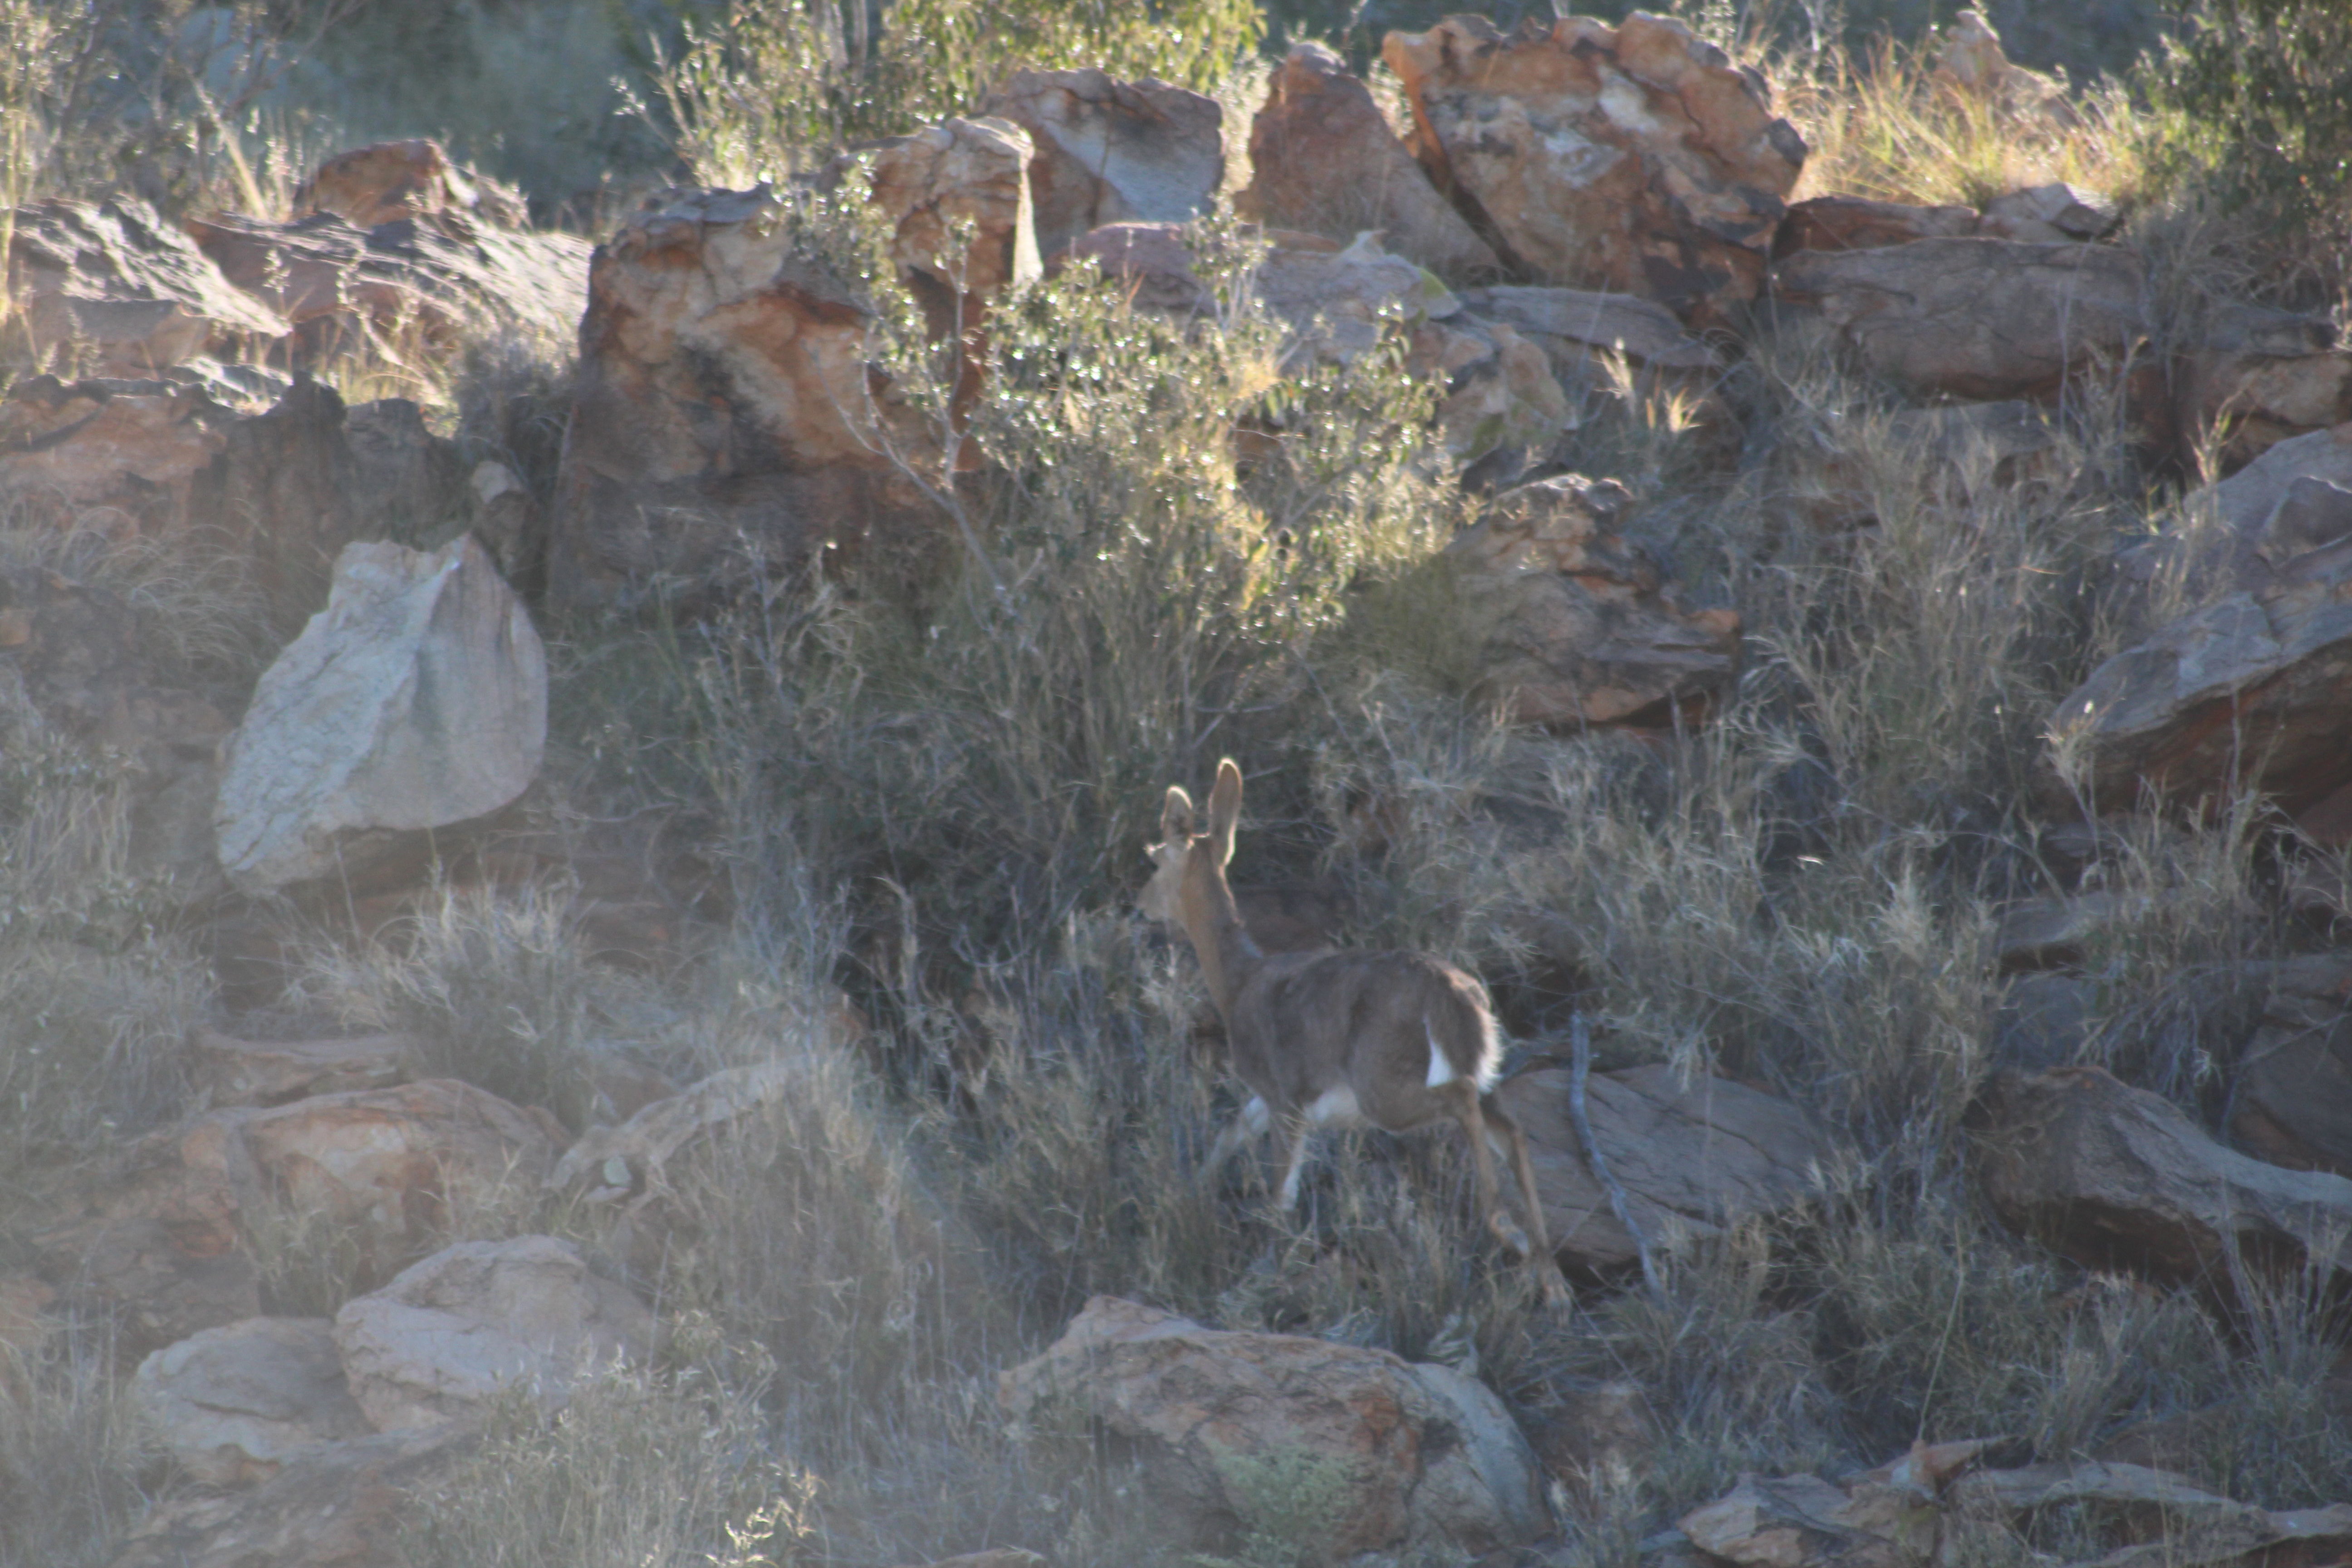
1188,861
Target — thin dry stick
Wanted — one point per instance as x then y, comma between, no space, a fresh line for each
1579,1039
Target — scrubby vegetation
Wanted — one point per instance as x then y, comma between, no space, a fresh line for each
927,788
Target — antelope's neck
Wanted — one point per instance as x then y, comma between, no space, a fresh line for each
1228,956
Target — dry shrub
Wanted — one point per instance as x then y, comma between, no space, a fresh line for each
638,1471
70,1449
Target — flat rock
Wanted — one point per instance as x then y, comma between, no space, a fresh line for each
2052,213
334,1505
232,1404
1571,626
126,293
416,700
2117,1178
1324,160
1635,158
1855,223
1429,1458
1693,1158
1112,152
225,1070
1975,317
448,1332
1645,331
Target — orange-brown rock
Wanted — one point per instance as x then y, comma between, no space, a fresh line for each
1855,223
1112,152
1570,626
1426,1456
1636,158
1694,1158
1324,160
1972,65
114,291
393,180
973,172
2117,1178
723,400
1976,318
118,456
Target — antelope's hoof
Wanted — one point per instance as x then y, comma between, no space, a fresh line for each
1513,1239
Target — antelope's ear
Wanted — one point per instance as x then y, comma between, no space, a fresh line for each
1176,817
1224,809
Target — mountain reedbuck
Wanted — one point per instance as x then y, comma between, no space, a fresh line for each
1395,1040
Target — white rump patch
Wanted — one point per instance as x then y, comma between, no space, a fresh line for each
1335,1108
1256,1117
1441,1071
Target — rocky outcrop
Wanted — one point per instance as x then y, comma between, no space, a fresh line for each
449,1332
2049,215
231,1405
2291,1098
1976,318
1570,626
1856,223
1112,152
165,1239
1972,65
1423,1455
1571,324
116,292
416,700
1636,159
2261,377
1694,1158
2114,1177
335,1506
1324,160
723,400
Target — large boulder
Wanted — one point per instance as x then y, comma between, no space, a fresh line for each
1112,152
1422,1456
1694,1157
448,1334
1324,160
723,405
416,700
231,1405
2117,1178
1636,158
118,290
1976,318
1567,624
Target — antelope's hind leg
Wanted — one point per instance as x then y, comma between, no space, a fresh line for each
1523,1166
1251,1121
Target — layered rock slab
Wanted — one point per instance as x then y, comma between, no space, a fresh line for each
1636,158
2116,1177
113,285
1694,1158
1426,1456
416,700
